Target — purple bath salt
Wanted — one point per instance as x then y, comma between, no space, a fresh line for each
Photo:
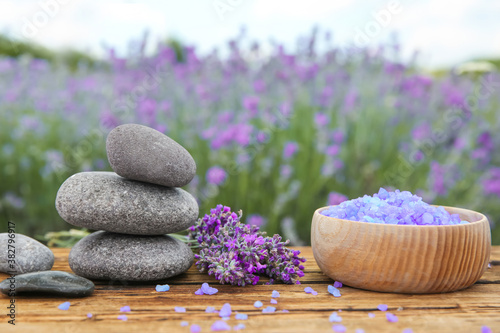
396,207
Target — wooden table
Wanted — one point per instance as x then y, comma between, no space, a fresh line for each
462,311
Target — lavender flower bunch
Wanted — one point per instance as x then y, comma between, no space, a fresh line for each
237,253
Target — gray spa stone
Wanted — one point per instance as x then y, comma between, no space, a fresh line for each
106,201
142,153
109,256
29,255
47,283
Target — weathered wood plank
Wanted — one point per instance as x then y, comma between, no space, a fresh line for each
462,311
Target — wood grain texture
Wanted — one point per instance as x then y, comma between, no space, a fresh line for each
402,258
462,311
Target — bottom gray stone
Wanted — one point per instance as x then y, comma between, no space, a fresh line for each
111,256
47,283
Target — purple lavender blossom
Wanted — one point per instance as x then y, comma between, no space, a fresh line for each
335,198
237,253
290,149
216,175
251,103
321,119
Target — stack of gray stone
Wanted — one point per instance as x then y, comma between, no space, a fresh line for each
134,208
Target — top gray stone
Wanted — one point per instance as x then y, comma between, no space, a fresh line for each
142,153
29,255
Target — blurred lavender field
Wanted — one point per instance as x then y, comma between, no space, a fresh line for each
276,133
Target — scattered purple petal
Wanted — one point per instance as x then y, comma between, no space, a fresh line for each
122,317
339,328
225,311
311,291
334,317
337,284
162,288
273,301
382,307
486,329
184,323
125,308
275,294
64,306
391,317
409,330
210,309
269,309
220,325
195,328
371,314
180,309
257,304
206,289
241,316
334,291
239,327
198,292
89,315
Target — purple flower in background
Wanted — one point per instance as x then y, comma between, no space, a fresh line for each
338,136
290,149
437,176
216,175
259,86
350,101
321,119
286,171
256,219
335,198
491,183
108,120
421,132
251,103
332,150
13,200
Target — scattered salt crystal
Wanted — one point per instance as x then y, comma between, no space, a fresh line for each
337,284
334,291
241,316
225,311
89,315
486,329
273,301
220,325
407,330
382,307
179,309
275,294
269,309
122,317
360,330
334,317
391,317
206,289
371,315
195,328
162,288
210,309
339,328
125,308
239,327
257,304
184,323
64,306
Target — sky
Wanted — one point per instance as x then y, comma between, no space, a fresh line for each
444,32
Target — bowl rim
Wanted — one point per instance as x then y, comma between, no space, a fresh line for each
481,220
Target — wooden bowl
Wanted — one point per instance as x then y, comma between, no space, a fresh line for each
402,258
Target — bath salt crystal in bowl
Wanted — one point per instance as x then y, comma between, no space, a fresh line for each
395,242
392,208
